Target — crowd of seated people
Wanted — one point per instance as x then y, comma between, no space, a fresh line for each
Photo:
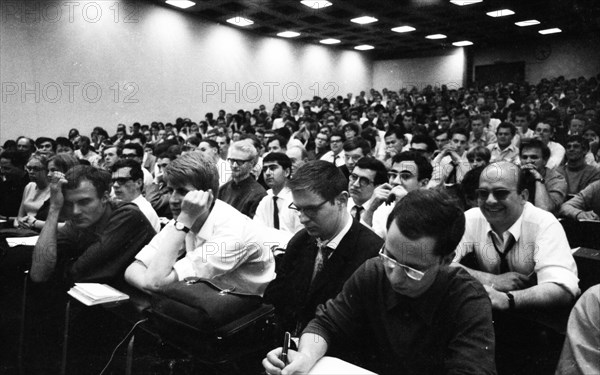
322,178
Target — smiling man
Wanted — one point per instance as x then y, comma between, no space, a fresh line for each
323,255
405,312
522,253
99,239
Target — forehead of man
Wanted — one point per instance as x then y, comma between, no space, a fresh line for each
85,190
500,174
124,172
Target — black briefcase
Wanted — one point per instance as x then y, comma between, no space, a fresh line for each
212,321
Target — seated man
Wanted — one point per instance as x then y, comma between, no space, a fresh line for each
218,241
549,187
544,132
504,149
581,349
410,171
210,148
99,239
451,164
405,312
521,251
135,151
355,149
321,257
298,156
336,153
127,181
273,210
577,172
159,194
366,176
242,192
13,179
585,205
480,135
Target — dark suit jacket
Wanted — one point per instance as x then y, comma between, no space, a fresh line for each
294,299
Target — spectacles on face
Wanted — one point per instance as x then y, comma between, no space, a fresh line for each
362,181
392,175
239,162
335,141
499,194
121,180
420,151
392,263
34,169
129,156
310,211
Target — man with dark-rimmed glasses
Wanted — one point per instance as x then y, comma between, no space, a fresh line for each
405,312
323,255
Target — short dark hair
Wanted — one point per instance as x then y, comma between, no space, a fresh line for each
535,143
17,158
212,143
320,177
374,165
424,167
99,178
278,138
41,140
139,150
432,213
64,142
458,130
422,138
578,138
395,130
136,168
507,125
337,133
358,142
280,158
194,168
351,126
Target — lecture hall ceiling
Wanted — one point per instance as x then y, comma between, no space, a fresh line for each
574,17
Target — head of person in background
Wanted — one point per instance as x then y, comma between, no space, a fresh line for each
277,143
26,145
210,148
461,118
191,144
505,132
62,162
459,138
133,151
577,124
534,153
64,145
37,169
477,126
409,121
110,155
325,129
444,123
336,142
441,138
127,179
321,143
469,186
84,144
544,132
276,169
242,158
138,138
479,156
394,141
409,171
367,174
298,156
223,141
46,146
12,165
424,145
351,130
355,149
73,134
576,148
485,111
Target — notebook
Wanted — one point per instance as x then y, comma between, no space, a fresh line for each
95,294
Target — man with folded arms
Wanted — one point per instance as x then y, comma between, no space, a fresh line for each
215,240
405,312
515,243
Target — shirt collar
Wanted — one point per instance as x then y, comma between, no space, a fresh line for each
207,229
335,241
514,230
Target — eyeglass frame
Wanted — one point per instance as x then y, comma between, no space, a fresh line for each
362,180
239,162
121,180
393,263
312,210
34,169
494,194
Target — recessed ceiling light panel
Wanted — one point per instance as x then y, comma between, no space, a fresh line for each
240,21
330,41
364,47
461,3
364,20
550,31
316,4
183,4
527,23
462,43
500,13
436,36
403,29
288,34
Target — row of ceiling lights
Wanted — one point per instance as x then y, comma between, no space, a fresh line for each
320,4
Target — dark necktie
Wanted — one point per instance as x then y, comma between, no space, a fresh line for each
335,157
322,256
275,213
359,210
510,244
451,179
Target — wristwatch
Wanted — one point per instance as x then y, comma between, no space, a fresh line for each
541,180
181,227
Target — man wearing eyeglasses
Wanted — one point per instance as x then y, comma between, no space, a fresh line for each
323,255
135,151
242,191
522,254
127,185
336,154
366,176
405,312
354,149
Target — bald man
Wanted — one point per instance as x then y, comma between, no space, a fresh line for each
522,253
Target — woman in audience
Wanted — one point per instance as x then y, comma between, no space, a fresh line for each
36,192
479,156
